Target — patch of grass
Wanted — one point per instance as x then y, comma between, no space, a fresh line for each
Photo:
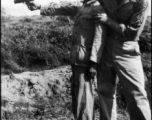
29,44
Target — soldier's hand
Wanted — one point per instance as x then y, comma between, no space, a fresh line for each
32,5
102,18
93,70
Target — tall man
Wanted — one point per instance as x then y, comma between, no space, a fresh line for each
125,20
87,44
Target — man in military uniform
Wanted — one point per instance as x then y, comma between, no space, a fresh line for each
125,20
87,45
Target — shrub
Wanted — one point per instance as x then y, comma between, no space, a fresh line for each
31,44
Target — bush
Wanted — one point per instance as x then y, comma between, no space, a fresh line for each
30,44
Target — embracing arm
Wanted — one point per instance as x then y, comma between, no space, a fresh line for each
135,25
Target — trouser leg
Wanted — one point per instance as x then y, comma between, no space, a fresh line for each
106,89
130,73
89,94
82,94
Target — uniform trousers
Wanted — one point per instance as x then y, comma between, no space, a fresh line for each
82,90
122,58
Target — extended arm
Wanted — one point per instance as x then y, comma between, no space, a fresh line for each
54,9
57,9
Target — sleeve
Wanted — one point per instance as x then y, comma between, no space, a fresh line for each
99,39
137,21
59,9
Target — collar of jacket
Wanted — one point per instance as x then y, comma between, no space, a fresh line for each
125,2
90,2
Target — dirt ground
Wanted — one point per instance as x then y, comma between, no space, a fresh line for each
41,95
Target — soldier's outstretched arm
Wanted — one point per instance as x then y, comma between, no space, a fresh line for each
54,9
59,9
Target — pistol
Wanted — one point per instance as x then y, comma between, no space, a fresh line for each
22,1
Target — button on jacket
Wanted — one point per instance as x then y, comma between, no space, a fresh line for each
88,37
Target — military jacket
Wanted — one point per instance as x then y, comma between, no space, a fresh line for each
88,37
131,14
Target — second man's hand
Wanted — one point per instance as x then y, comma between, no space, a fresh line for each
105,19
92,70
102,18
32,5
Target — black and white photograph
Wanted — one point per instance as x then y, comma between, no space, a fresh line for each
76,60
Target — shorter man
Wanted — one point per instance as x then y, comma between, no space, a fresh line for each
87,45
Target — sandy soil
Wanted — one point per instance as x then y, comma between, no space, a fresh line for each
41,95
34,88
